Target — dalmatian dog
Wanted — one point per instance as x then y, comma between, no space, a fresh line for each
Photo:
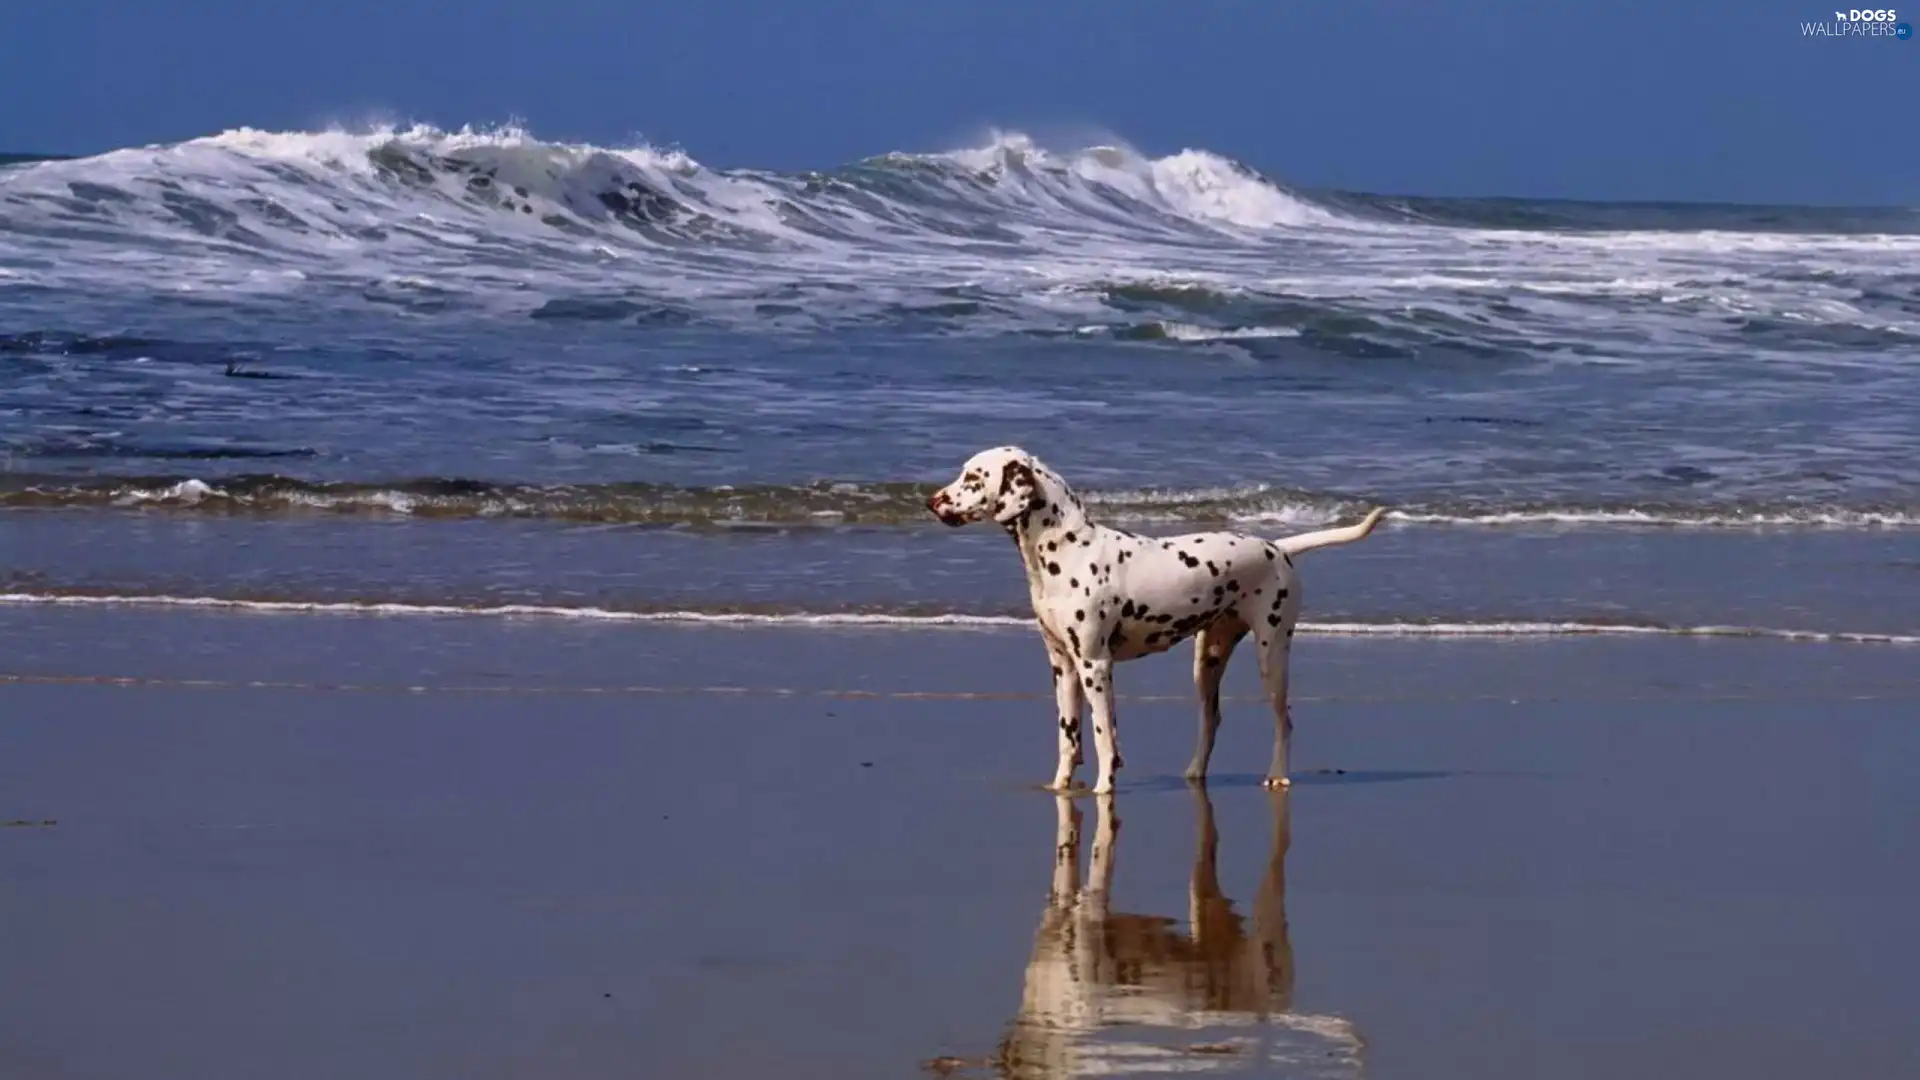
1102,595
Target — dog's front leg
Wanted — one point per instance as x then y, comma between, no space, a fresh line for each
1069,702
1097,680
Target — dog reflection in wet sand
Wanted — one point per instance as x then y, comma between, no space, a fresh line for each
1109,993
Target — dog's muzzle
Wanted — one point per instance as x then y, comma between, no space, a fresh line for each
937,506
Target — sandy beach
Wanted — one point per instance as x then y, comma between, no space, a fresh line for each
308,846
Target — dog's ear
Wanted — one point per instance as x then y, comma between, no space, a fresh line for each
1018,486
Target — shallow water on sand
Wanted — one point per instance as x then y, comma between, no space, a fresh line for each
459,847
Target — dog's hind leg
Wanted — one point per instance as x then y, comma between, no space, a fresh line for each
1212,648
1275,643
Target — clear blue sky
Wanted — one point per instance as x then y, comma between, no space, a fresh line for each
1602,98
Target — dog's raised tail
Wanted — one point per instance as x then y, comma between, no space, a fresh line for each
1294,545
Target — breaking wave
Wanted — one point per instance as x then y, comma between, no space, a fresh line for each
248,190
833,503
1010,234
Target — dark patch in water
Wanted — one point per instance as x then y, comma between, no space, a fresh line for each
235,371
1500,421
1686,474
109,448
56,343
610,309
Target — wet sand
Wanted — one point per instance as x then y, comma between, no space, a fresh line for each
298,847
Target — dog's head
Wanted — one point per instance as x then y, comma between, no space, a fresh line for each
1002,483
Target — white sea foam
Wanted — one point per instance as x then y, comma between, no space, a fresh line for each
1188,332
1256,507
1808,518
948,621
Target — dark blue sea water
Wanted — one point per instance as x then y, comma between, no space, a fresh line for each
431,370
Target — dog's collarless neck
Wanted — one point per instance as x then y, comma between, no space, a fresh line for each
1046,532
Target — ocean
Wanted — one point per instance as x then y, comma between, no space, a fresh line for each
475,373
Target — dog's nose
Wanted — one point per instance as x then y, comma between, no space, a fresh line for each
938,505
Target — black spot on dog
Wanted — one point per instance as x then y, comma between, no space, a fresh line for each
1212,570
1069,538
1074,639
1273,620
1269,554
1232,585
1188,561
1080,616
1073,583
1053,568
